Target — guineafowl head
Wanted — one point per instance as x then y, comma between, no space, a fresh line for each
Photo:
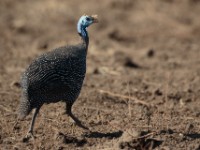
85,21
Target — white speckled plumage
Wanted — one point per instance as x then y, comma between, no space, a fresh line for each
56,76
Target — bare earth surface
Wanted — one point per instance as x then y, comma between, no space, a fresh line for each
142,88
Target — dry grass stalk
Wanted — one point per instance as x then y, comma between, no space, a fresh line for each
129,101
167,86
145,136
99,109
136,101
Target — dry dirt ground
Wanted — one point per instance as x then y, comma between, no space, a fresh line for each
142,88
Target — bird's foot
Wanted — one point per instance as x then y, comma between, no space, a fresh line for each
29,136
77,122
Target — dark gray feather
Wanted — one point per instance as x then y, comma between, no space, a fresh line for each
54,76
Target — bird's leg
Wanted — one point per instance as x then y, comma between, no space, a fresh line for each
76,120
30,131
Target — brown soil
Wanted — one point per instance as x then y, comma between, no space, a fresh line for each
142,88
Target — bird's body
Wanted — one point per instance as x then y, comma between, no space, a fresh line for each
56,76
52,77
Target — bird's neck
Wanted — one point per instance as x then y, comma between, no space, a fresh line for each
84,35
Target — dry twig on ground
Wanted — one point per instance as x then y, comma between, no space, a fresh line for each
134,99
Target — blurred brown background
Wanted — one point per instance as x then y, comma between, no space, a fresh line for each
148,50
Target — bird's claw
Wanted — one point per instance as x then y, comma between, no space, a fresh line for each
78,123
28,136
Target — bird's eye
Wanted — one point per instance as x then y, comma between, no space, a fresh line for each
88,19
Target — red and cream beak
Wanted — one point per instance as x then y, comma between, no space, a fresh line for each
95,18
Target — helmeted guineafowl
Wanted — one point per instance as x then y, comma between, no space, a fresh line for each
56,76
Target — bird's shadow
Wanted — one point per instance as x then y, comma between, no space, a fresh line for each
193,135
190,135
79,142
109,135
66,139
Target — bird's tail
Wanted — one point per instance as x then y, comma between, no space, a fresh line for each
24,108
